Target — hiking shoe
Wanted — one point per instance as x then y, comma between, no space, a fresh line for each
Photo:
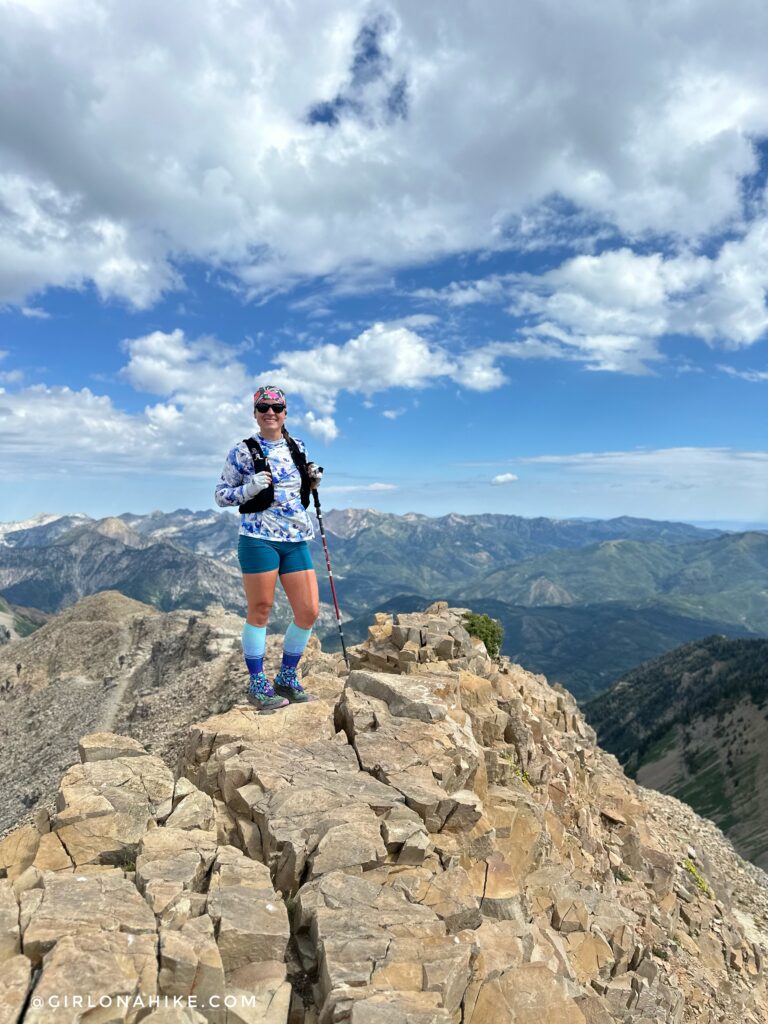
287,685
262,695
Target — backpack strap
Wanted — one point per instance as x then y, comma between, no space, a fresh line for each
300,461
298,456
254,448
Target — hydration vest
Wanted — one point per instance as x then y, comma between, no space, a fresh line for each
265,498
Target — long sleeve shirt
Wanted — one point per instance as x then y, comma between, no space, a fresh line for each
286,519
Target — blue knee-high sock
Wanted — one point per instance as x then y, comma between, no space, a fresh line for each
293,647
254,645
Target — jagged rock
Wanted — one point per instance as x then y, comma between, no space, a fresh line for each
250,918
194,811
405,698
51,854
458,850
404,834
501,896
362,928
70,905
172,864
261,994
18,850
427,760
10,932
528,992
244,726
191,964
15,979
590,955
104,746
94,965
104,806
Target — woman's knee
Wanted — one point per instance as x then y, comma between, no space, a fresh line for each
258,612
305,608
305,617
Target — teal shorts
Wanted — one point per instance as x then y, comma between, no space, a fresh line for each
258,555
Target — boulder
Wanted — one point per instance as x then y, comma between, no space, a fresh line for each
96,965
15,982
250,918
71,905
104,746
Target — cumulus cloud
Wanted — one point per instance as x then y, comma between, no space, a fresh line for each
380,357
203,406
384,356
323,427
362,155
202,390
611,311
167,363
503,478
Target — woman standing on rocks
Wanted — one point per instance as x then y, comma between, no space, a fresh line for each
267,475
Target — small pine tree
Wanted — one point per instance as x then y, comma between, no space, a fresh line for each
489,630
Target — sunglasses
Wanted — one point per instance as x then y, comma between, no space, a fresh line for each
266,406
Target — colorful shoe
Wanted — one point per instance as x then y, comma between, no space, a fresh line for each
262,695
287,685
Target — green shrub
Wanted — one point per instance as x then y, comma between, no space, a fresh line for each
487,629
699,879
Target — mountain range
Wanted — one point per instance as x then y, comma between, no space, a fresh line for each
694,723
583,601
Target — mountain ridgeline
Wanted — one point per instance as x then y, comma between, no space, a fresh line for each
694,723
582,601
435,838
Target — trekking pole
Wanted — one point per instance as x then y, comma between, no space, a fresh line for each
330,574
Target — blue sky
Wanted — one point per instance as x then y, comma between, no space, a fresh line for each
495,272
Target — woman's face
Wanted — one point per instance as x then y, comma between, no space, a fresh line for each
271,417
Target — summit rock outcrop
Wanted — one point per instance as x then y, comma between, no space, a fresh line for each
434,840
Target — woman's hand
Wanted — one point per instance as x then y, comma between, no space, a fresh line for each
315,473
257,483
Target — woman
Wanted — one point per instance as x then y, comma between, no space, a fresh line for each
267,475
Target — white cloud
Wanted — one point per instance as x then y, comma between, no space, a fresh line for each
204,407
755,376
349,488
381,357
467,293
393,414
384,356
503,478
34,313
683,467
203,394
717,299
323,427
611,311
177,131
163,363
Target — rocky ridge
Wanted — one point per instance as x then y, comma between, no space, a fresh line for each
436,839
115,664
